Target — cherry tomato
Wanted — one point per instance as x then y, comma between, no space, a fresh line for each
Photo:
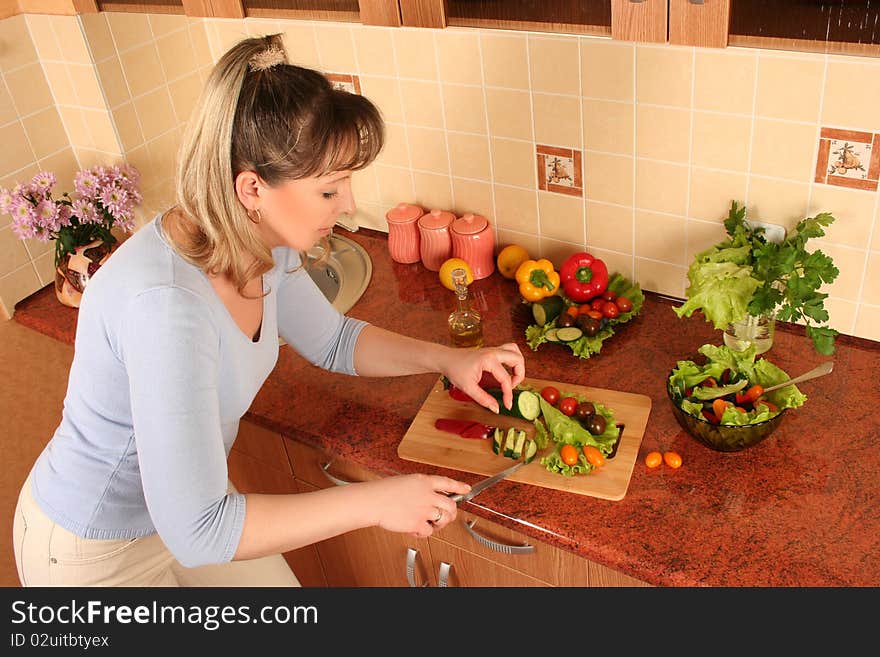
653,459
594,456
710,416
610,310
709,383
773,407
595,314
719,406
597,303
583,309
550,395
672,459
608,295
624,304
569,454
572,310
568,405
725,376
752,394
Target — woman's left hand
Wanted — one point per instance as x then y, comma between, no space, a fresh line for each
465,367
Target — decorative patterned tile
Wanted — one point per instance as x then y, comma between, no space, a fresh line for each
345,81
848,158
559,170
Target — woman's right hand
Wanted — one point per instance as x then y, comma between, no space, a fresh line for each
418,504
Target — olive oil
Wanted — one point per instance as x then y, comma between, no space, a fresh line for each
465,323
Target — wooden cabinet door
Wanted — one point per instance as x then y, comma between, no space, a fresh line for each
456,567
704,24
639,21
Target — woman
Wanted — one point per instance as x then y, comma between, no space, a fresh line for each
177,333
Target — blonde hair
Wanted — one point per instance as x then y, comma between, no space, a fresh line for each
284,122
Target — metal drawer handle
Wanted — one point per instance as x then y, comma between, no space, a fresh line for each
411,556
494,545
443,575
335,480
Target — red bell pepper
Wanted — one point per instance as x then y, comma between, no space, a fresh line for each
583,276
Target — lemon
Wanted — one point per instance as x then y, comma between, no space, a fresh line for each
446,272
510,258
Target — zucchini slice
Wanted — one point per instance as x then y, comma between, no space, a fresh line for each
547,309
510,442
569,334
497,440
551,335
530,451
520,443
526,404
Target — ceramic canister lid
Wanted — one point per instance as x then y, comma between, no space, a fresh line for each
469,224
403,213
436,219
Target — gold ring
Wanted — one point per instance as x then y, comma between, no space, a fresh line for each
439,515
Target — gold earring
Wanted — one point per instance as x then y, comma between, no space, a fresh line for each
258,219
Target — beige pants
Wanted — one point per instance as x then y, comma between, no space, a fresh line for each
46,554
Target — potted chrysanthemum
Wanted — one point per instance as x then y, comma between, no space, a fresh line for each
81,226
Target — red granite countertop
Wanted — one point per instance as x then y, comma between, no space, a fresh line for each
799,509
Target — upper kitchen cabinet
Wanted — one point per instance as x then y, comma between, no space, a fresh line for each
369,12
592,17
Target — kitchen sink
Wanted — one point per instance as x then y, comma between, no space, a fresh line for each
344,275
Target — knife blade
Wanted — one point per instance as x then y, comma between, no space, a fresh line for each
488,482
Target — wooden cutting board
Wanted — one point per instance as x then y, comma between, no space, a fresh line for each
425,444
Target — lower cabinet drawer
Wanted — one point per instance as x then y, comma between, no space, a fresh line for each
460,568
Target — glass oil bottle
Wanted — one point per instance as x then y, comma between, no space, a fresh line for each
465,323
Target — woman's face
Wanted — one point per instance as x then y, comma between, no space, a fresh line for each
298,213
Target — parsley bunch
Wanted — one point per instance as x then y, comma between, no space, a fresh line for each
748,275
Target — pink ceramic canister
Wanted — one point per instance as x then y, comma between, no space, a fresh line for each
474,241
403,232
435,241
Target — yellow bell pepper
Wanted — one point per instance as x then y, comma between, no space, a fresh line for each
537,279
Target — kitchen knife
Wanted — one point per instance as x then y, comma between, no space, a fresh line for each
488,482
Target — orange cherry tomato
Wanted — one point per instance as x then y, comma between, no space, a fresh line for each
594,456
583,309
595,314
672,459
572,310
653,459
752,394
569,454
719,406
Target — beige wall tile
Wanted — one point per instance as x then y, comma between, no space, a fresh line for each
663,75
45,132
395,152
35,248
43,37
125,119
469,156
663,133
661,187
422,103
395,185
65,166
29,89
336,48
142,68
71,39
555,65
473,196
102,129
660,237
852,95
867,323
155,113
783,150
777,201
16,152
371,215
514,163
375,51
300,43
416,55
465,108
724,81
609,227
16,286
13,253
556,251
516,209
661,277
790,88
529,242
510,113
45,266
98,36
24,173
875,241
223,34
17,51
458,55
59,82
505,60
8,112
608,178
700,236
427,149
112,81
607,69
163,155
176,55
851,264
88,90
199,39
842,315
364,186
621,263
557,120
561,217
261,26
385,93
712,192
853,211
721,141
608,126
184,95
163,24
77,127
432,190
129,29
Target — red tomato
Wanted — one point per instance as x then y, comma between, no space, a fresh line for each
624,304
550,395
569,454
568,405
608,295
610,310
597,303
594,456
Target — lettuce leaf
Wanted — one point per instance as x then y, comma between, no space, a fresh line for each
567,430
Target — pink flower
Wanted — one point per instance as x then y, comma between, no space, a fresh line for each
86,183
5,201
85,210
43,183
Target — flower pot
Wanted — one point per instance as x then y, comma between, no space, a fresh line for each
752,330
75,269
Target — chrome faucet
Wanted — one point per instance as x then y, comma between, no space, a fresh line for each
347,222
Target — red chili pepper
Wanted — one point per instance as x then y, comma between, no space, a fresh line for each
464,428
583,276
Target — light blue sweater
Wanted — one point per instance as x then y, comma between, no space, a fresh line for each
161,376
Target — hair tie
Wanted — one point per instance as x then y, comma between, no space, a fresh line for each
265,59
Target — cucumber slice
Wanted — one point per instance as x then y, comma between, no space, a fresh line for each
569,334
548,309
530,451
497,440
551,335
510,442
520,443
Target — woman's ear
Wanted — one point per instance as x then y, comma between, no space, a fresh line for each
248,188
